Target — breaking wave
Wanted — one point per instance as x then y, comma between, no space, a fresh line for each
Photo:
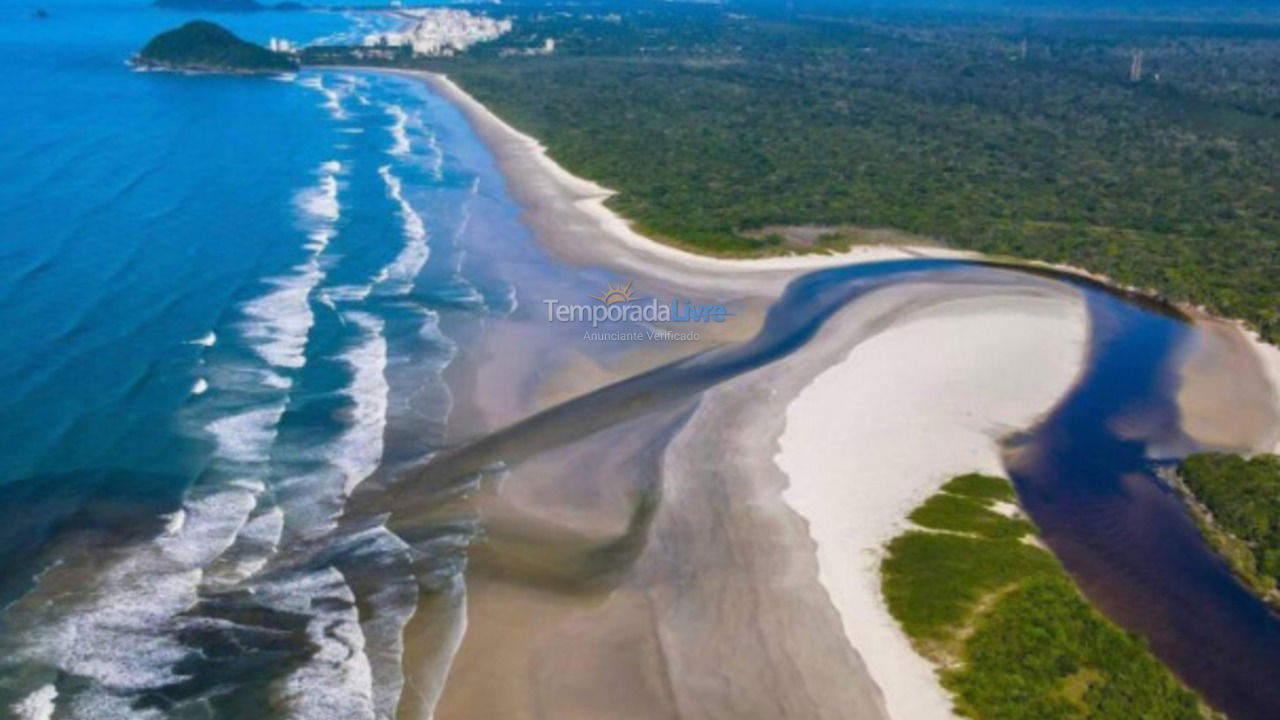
398,132
399,275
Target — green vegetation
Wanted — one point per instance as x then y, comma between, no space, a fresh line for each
716,121
1237,502
1010,633
201,45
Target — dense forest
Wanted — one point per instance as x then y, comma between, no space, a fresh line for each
1011,635
1238,503
1147,149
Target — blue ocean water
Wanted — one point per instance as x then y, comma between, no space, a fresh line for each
224,294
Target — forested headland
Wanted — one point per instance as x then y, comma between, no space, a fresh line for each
207,47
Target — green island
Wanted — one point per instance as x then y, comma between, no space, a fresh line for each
1236,502
204,46
1143,145
1009,632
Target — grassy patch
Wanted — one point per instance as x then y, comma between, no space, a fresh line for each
1012,636
968,515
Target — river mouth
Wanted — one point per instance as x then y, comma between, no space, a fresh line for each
471,558
1087,475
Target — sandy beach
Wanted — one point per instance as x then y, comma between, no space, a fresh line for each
570,213
751,580
1227,394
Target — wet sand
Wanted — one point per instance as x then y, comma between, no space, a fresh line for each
655,570
1227,396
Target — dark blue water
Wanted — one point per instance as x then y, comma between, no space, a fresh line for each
1087,477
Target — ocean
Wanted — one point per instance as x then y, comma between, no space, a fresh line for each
224,297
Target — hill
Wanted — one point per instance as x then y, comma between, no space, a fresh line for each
205,46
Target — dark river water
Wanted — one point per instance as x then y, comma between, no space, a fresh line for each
1087,478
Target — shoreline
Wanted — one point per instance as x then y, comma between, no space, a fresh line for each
548,191
800,480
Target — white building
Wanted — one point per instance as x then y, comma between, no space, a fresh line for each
281,45
440,31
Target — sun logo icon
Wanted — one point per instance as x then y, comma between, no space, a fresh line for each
616,294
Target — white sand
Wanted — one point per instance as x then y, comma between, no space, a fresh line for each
589,197
875,435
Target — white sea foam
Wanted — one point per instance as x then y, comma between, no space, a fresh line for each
98,704
177,519
274,380
337,682
368,390
39,705
246,436
255,544
332,96
117,630
320,203
402,271
113,631
437,156
347,293
311,499
325,298
278,322
397,130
